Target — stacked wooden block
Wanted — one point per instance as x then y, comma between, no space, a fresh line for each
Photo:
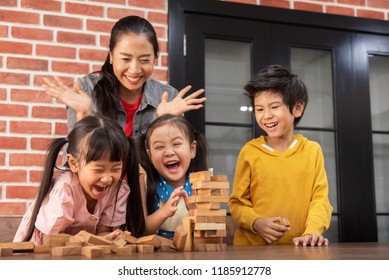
206,223
94,246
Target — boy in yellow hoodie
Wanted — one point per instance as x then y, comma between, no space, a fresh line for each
280,175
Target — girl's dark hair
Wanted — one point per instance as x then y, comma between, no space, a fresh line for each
199,163
92,138
279,80
107,88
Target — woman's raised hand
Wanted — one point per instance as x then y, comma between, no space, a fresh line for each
179,104
74,98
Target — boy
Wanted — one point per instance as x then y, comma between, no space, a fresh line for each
280,175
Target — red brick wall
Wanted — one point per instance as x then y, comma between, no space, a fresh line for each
40,38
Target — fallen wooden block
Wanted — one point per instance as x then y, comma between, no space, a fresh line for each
180,235
56,240
66,251
26,246
144,249
126,250
149,240
92,251
42,249
6,252
188,223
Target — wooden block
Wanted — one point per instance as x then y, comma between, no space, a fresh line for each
149,240
285,222
221,247
119,242
179,239
210,247
164,248
42,249
206,212
26,246
128,238
74,243
200,176
188,224
96,240
213,192
165,241
6,252
211,198
56,240
66,251
210,233
199,248
210,185
126,250
208,205
106,248
210,226
144,249
207,240
81,236
92,251
210,219
219,178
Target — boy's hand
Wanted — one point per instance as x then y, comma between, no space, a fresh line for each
270,228
311,240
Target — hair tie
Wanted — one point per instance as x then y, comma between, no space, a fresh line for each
66,139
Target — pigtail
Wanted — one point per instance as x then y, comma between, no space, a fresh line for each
135,219
46,181
200,162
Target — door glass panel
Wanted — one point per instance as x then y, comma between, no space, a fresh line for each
314,67
228,113
379,105
227,70
379,97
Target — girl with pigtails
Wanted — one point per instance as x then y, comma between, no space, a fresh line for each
97,192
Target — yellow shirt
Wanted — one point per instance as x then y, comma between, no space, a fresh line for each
291,184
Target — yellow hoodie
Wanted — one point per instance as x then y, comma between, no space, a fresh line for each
291,184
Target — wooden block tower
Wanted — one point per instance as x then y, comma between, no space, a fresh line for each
206,223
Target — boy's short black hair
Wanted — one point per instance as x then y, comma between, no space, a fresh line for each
278,79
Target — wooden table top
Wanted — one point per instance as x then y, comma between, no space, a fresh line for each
335,251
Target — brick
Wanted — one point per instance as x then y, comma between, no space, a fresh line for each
27,63
118,13
14,78
253,2
28,95
56,51
95,55
12,208
276,3
61,129
352,2
62,21
371,14
13,110
161,32
13,175
308,7
2,158
123,2
48,112
38,80
339,10
99,25
70,67
149,4
84,9
35,175
21,192
15,47
30,127
75,38
3,31
19,17
46,5
32,33
26,159
381,4
9,3
37,143
13,143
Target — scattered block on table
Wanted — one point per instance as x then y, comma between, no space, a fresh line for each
126,250
144,249
95,239
200,176
6,251
119,242
66,251
164,248
42,249
180,235
128,238
25,246
106,248
165,241
92,251
56,240
81,236
149,240
219,178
